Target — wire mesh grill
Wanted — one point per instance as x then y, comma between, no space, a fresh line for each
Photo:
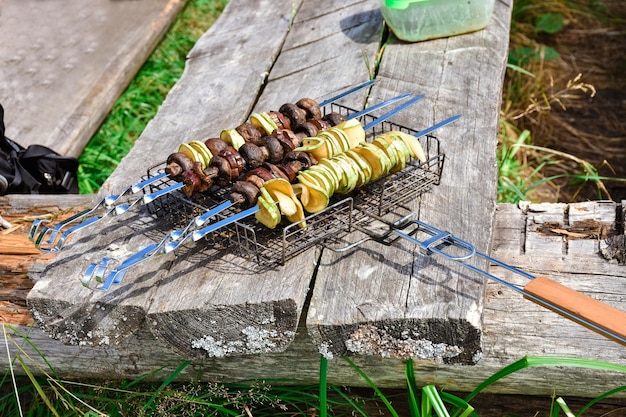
275,246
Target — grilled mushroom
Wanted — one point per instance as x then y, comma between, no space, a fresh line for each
296,115
274,149
313,111
249,132
245,193
216,145
334,118
252,154
177,163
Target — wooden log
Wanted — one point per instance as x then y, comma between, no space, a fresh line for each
82,55
513,328
402,303
19,255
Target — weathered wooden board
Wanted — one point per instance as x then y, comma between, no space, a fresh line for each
513,327
227,307
204,101
81,54
401,303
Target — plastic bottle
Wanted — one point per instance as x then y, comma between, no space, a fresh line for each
418,20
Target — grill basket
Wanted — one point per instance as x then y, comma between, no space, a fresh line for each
268,247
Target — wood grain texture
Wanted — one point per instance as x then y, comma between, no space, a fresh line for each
513,327
227,316
402,303
80,54
223,76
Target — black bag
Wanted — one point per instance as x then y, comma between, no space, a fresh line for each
34,170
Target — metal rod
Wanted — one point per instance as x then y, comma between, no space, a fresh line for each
347,93
443,238
380,105
199,234
393,112
436,126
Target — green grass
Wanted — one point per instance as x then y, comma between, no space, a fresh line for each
530,94
40,392
141,100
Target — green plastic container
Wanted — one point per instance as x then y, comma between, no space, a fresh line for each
419,20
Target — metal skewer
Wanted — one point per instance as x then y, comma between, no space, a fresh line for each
197,235
347,93
148,198
175,239
48,244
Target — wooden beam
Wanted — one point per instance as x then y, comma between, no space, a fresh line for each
402,303
82,55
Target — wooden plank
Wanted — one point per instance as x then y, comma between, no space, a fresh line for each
227,307
513,328
401,303
518,329
217,90
80,54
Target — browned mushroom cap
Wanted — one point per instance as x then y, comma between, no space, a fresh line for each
313,111
290,169
306,159
252,154
177,163
216,145
254,179
276,172
285,143
295,114
320,124
206,182
249,132
244,193
334,118
289,135
262,172
223,169
235,165
191,183
309,129
274,149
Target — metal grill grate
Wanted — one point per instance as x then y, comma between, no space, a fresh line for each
268,247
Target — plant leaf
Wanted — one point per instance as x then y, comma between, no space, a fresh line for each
411,387
373,386
531,361
550,23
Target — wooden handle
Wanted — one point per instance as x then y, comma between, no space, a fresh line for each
580,305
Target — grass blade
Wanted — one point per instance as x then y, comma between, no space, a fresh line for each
600,398
464,408
167,381
563,406
323,386
373,386
532,361
37,386
433,401
411,387
356,408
